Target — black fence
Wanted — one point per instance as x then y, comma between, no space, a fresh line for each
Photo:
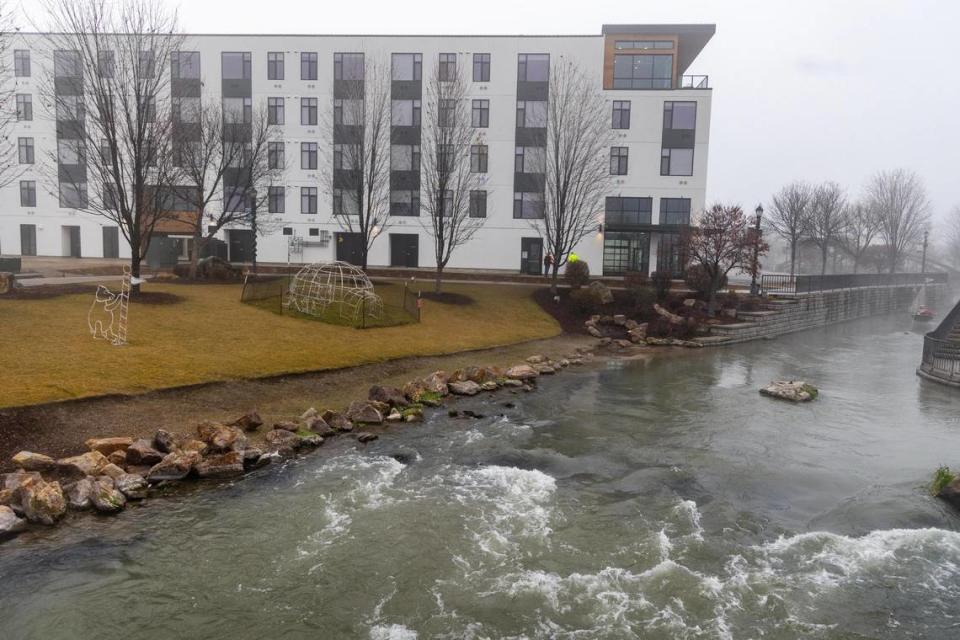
814,284
401,304
941,358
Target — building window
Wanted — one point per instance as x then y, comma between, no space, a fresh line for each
275,155
28,193
405,157
670,258
405,203
275,68
25,150
481,67
73,195
528,205
308,111
275,111
618,161
642,71
407,67
675,211
308,200
69,108
676,162
532,113
446,112
643,44
235,65
313,231
308,155
478,158
345,203
680,115
184,65
628,211
480,114
308,65
288,231
69,152
621,114
447,70
276,199
146,64
405,113
348,66
185,110
66,64
107,63
21,63
529,160
233,199
478,203
238,110
24,106
533,67
625,251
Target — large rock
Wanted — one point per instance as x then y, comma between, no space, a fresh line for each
106,446
106,498
10,523
391,396
319,426
417,393
287,425
174,466
132,485
164,441
87,464
7,282
141,452
29,461
221,465
79,493
281,438
672,318
792,390
15,482
43,502
118,458
465,388
436,382
522,372
337,421
113,471
951,492
602,291
537,359
221,437
365,412
250,421
194,445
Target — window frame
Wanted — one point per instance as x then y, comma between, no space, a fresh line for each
620,117
310,194
26,146
24,107
21,63
619,161
276,65
479,158
480,113
276,195
308,105
276,111
246,65
416,61
481,67
310,151
276,154
31,190
311,67
666,162
478,203
643,82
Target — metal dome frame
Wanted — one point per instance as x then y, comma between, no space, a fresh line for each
318,286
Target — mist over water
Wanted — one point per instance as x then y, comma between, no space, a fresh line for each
664,499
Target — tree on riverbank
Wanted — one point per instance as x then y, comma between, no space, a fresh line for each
826,219
109,90
789,214
858,234
899,200
721,242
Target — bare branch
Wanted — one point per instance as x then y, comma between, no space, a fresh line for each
899,200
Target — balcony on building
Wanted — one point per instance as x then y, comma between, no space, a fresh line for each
644,57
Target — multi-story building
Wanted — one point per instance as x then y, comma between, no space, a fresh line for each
658,161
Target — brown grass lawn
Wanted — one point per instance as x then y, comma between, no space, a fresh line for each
47,354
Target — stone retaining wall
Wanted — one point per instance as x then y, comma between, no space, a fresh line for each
820,309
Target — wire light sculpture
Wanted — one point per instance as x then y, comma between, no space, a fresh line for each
107,317
320,286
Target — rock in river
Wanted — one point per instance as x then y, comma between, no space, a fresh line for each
142,452
10,524
221,438
131,485
106,498
792,390
106,446
221,465
29,461
174,466
87,464
522,372
465,388
43,502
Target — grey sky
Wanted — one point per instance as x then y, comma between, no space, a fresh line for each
819,89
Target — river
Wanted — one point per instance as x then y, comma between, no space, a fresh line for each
657,499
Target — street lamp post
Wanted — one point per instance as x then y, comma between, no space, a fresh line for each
923,261
756,252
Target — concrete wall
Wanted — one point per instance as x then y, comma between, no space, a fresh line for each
821,309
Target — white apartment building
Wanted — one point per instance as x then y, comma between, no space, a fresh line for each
660,114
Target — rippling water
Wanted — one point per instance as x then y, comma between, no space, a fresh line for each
665,499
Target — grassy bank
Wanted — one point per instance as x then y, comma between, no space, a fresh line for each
46,353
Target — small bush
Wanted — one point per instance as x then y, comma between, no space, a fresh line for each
585,300
661,284
577,274
643,300
634,280
941,478
699,280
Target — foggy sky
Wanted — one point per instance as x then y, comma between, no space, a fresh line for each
819,89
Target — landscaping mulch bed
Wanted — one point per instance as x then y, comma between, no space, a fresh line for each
48,291
446,297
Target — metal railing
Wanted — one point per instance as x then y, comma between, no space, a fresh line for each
941,358
694,82
800,284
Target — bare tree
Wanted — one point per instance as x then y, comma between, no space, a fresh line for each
826,220
447,177
576,166
952,236
859,233
789,215
357,130
224,172
10,111
109,93
899,199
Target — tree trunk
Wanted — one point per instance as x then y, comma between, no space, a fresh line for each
554,277
438,279
135,273
793,257
194,257
823,261
856,264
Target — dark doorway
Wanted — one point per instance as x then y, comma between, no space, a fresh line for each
404,250
111,242
71,241
28,240
350,248
531,256
240,245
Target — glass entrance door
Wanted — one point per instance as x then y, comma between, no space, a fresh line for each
531,256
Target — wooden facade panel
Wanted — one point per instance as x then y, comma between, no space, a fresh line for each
610,50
